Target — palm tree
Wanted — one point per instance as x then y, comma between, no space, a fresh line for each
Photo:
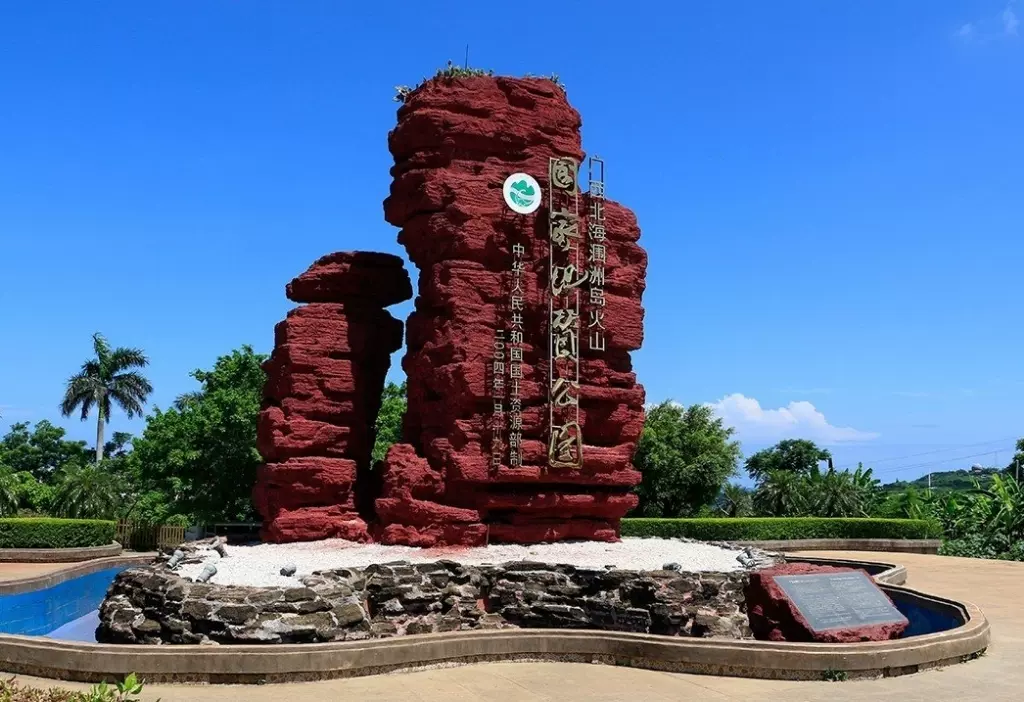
87,492
734,501
107,378
781,493
835,494
9,493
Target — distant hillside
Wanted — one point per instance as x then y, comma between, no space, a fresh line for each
948,480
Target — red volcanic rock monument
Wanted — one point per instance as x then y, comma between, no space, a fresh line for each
523,408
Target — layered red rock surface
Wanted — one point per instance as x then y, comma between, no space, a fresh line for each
774,617
323,391
455,143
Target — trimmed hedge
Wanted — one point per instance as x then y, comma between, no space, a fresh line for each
781,528
44,532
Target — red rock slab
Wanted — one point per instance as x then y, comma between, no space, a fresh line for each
314,524
290,360
339,382
407,475
433,535
774,617
480,117
335,329
279,438
560,505
308,481
415,512
375,278
554,530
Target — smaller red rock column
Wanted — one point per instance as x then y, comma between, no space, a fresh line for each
324,383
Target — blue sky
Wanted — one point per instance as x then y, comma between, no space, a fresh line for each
832,194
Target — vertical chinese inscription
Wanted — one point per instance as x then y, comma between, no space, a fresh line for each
597,254
515,360
498,395
567,274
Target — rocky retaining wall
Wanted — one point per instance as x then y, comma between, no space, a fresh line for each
153,605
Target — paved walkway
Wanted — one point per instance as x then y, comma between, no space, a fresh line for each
997,677
17,571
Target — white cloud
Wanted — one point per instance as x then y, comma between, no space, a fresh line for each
1004,24
797,420
1010,21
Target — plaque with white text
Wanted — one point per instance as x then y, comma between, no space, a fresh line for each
844,600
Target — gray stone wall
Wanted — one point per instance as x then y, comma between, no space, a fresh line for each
153,605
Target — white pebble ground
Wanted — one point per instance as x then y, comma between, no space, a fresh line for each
261,564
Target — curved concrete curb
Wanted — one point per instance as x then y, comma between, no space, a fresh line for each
302,662
39,582
929,546
882,573
58,555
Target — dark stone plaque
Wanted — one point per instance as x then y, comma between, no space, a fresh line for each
839,600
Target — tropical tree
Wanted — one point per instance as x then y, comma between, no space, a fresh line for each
868,487
685,455
105,380
795,455
781,493
833,494
1017,462
10,498
42,451
735,501
1006,498
389,419
200,459
87,492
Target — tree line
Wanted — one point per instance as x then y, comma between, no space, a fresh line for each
196,461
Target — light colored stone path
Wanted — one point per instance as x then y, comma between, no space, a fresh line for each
17,571
997,677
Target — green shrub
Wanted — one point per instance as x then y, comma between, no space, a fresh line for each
44,532
970,546
781,528
11,690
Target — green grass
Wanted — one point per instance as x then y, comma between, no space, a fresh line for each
780,528
44,532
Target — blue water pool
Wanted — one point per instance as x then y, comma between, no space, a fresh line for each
69,610
923,619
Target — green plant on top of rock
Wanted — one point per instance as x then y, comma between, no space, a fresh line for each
451,71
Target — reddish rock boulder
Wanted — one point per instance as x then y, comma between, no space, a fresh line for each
774,617
455,143
379,279
323,391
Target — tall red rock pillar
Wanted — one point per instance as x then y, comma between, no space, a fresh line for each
324,383
454,480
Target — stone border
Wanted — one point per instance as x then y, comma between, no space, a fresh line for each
927,546
63,660
26,655
58,555
40,582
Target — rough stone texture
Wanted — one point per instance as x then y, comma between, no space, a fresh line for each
774,617
324,383
455,143
153,605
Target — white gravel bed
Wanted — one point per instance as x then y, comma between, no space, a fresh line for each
261,564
